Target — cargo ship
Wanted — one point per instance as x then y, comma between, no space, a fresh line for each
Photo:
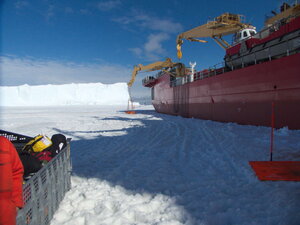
260,75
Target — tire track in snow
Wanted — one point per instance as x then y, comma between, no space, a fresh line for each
223,147
137,143
174,156
220,160
183,146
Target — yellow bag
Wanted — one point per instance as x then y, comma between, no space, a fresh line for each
38,143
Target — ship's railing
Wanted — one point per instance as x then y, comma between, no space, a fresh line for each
268,53
148,79
274,27
211,71
288,3
220,68
265,32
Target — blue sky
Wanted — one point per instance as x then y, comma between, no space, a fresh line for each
65,41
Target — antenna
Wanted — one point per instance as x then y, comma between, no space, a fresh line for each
193,70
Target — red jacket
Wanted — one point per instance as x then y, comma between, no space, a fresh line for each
11,179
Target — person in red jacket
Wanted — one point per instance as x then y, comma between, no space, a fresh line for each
11,179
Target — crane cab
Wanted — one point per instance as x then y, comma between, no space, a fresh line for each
244,34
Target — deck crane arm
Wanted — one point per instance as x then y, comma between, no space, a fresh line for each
160,65
224,24
286,12
150,67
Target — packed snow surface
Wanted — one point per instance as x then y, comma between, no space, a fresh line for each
67,94
155,169
151,168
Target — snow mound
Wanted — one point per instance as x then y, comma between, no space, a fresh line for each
67,94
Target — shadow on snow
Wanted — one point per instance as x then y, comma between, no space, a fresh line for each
142,161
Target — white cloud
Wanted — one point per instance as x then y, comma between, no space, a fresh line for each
84,11
152,49
143,20
21,4
45,8
50,12
69,10
17,71
108,5
154,42
137,51
157,24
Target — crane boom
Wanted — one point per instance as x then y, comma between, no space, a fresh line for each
224,24
286,12
160,65
151,67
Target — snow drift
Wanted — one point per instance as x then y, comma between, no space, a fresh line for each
67,94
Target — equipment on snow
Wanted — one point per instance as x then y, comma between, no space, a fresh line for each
279,170
38,143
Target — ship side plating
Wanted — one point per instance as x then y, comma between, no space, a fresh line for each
258,71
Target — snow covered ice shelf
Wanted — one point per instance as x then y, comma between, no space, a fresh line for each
66,94
151,168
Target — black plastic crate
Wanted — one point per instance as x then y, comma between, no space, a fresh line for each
44,191
17,139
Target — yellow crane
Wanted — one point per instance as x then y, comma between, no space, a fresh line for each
225,24
159,65
286,12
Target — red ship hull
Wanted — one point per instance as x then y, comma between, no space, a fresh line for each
243,96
